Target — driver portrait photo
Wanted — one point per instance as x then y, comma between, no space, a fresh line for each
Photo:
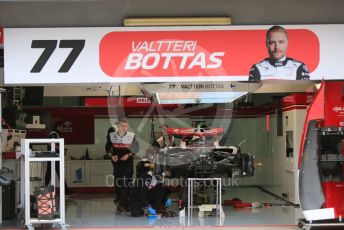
278,66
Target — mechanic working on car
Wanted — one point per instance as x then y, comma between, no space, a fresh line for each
148,192
164,140
122,145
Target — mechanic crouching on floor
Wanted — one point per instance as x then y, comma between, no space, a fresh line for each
122,146
148,192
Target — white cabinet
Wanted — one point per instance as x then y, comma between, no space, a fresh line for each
90,173
101,173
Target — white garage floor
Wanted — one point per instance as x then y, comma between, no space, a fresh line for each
85,211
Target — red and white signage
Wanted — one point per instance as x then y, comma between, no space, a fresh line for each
94,55
194,53
195,132
118,101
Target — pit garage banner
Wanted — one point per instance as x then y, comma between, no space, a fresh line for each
167,54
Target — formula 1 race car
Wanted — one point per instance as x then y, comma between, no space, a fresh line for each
200,155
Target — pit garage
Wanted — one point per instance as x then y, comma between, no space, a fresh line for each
223,139
234,141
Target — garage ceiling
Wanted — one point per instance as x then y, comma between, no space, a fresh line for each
80,13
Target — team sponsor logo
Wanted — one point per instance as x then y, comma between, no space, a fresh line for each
143,100
338,109
278,64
